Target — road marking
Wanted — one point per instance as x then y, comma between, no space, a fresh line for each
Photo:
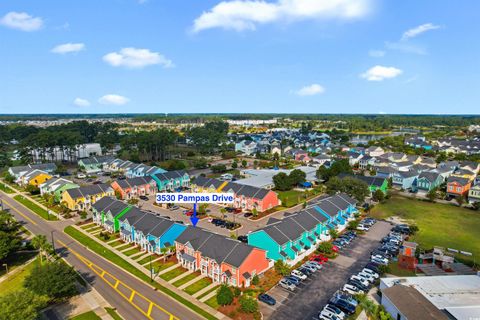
18,211
101,273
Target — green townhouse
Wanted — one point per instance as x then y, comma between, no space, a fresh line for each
172,180
108,211
297,235
429,180
56,186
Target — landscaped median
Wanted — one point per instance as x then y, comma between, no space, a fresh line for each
5,188
35,208
117,260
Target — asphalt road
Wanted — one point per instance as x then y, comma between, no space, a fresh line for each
312,295
129,312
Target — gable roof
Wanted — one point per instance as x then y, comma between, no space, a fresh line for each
429,176
106,204
89,190
171,175
459,180
134,182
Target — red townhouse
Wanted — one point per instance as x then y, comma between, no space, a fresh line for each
134,187
458,186
220,258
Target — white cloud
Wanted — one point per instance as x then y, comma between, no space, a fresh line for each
376,53
81,102
114,99
412,33
406,47
134,58
68,48
380,73
246,15
310,90
21,21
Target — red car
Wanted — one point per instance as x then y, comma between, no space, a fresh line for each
189,213
335,249
319,258
237,210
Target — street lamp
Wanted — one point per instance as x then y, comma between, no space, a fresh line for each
6,266
53,242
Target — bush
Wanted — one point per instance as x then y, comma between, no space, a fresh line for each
352,225
281,268
236,292
83,215
219,168
248,304
224,295
325,247
255,280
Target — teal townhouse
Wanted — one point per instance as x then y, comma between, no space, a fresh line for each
107,211
148,231
94,164
142,170
296,236
172,180
405,180
428,180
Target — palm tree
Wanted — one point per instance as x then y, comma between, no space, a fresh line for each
164,251
41,243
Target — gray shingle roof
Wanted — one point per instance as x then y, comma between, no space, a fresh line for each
88,190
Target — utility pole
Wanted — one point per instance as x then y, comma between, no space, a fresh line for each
6,267
151,270
53,242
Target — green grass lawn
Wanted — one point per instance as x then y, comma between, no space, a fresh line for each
290,198
173,273
147,259
439,224
35,208
90,315
212,302
93,229
113,313
114,258
186,279
131,252
88,225
208,291
117,243
15,260
197,286
396,271
5,188
160,265
15,281
124,247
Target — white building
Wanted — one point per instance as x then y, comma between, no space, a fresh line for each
62,154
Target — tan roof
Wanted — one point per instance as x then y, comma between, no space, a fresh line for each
412,304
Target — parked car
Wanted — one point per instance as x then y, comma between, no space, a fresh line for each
247,214
242,239
305,271
81,176
373,266
144,198
179,221
362,227
172,208
320,257
296,281
309,267
286,284
315,264
337,311
366,276
379,260
335,249
351,289
268,299
360,279
299,274
370,272
343,305
325,314
358,284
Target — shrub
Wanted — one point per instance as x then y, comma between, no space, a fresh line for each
255,280
352,225
281,268
325,247
55,280
248,304
83,215
236,292
224,295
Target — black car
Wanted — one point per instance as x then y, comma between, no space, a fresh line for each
402,228
267,299
343,305
248,214
242,239
373,266
305,271
144,198
358,284
179,221
229,209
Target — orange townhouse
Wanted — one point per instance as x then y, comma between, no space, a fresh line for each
458,186
220,258
134,187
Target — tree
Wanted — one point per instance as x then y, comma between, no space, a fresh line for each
325,247
255,280
224,295
234,164
432,194
164,251
41,243
282,181
55,280
333,233
352,225
248,304
378,195
340,166
22,304
244,163
9,243
460,200
297,177
281,267
219,168
350,185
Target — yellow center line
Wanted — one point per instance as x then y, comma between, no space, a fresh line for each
131,296
18,211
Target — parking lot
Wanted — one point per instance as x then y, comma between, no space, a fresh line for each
315,292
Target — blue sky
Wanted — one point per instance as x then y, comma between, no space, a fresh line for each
305,56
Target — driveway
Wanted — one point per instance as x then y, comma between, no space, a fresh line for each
315,293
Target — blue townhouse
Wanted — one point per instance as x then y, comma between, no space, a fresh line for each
150,232
142,170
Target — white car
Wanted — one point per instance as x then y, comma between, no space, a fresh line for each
314,264
379,260
367,277
309,267
335,310
361,280
287,285
298,274
362,227
81,176
348,288
371,273
327,315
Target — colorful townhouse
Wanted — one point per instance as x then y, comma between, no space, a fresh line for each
94,164
474,194
220,258
57,186
406,180
458,186
34,177
428,180
142,170
246,197
373,183
81,199
172,180
297,235
134,187
107,211
18,171
148,231
118,165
